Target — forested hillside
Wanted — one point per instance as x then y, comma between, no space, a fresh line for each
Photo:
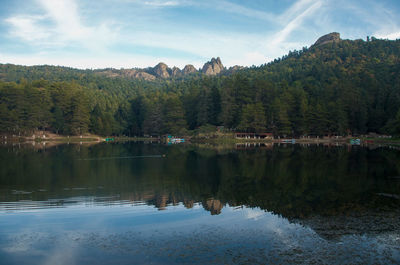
343,87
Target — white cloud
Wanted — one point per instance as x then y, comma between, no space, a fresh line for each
295,9
256,214
94,61
386,23
162,3
376,18
158,3
204,44
70,27
294,23
250,58
28,28
64,24
280,42
390,36
243,11
60,26
234,48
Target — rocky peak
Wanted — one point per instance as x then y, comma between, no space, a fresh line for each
213,67
175,71
328,38
161,70
145,76
188,69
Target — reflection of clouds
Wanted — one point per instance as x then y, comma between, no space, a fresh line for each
23,241
252,214
62,253
54,249
279,229
18,246
238,235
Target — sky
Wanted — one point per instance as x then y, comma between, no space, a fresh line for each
141,33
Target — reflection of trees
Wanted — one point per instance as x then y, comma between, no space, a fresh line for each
292,181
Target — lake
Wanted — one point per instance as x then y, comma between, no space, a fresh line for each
148,203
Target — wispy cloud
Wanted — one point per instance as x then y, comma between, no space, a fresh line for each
386,22
84,33
232,47
281,41
390,36
295,9
89,61
198,43
373,18
295,22
60,25
243,11
162,3
158,3
28,28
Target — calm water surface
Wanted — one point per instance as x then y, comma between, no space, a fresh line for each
154,204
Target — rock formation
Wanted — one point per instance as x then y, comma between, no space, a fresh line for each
213,67
145,76
188,203
214,206
175,72
161,202
189,69
328,38
161,70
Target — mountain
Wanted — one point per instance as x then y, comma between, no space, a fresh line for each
333,37
189,69
158,72
213,67
335,87
162,71
176,72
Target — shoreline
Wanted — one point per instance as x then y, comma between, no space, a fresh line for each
218,140
364,141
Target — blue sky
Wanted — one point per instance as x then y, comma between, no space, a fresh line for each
141,33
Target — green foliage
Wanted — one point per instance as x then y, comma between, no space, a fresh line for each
338,88
253,118
393,125
173,116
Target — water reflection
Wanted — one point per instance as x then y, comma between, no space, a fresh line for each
292,181
158,204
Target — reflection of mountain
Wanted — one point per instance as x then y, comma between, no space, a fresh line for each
213,206
292,181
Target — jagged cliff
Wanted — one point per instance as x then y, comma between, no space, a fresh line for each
162,71
328,38
189,69
213,67
175,72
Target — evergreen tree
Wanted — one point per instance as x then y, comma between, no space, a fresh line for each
253,118
174,117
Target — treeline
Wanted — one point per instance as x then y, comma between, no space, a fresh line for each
61,107
350,87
